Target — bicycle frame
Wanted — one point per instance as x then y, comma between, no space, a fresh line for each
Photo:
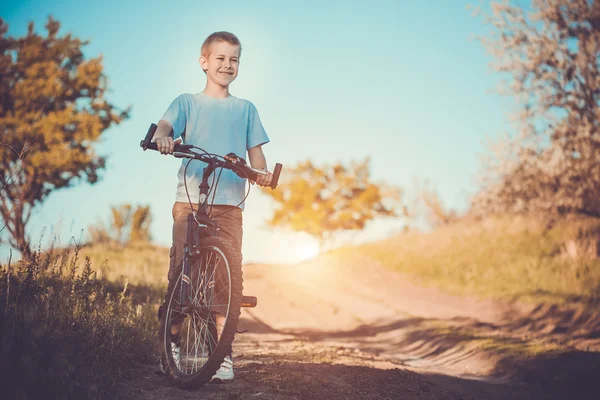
201,220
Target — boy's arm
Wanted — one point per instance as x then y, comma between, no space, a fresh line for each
258,161
163,138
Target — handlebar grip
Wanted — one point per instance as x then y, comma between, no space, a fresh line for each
276,172
145,144
178,147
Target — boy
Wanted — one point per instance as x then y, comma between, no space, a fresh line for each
219,123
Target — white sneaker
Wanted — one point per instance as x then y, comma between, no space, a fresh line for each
176,354
176,357
224,373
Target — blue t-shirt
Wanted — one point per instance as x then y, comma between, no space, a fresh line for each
219,126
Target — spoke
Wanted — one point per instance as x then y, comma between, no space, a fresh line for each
187,346
204,341
215,269
195,344
173,319
200,340
206,288
210,336
175,314
202,336
212,279
206,281
215,295
197,286
202,278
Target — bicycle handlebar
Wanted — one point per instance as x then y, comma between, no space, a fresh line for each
238,166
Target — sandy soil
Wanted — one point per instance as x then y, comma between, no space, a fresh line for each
327,331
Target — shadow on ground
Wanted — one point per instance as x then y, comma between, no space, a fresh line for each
553,352
309,381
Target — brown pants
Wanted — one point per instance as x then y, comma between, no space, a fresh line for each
230,225
230,228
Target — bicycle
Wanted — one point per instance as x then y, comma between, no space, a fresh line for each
209,284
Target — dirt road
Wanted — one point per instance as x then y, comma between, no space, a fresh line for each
328,331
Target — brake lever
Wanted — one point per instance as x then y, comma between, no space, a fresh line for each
240,162
180,154
260,171
235,159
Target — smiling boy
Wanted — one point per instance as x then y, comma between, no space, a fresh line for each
220,124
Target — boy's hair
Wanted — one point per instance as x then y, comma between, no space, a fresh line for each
221,36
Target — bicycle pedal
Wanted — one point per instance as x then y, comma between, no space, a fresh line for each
249,301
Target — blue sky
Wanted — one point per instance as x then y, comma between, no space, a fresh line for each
403,82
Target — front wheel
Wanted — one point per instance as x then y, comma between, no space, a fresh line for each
196,338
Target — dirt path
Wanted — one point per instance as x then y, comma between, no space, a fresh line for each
328,331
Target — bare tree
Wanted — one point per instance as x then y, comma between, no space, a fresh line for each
550,56
127,223
436,212
140,224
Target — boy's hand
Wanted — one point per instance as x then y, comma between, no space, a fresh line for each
264,180
165,144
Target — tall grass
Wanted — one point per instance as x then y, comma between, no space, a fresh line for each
140,263
512,258
64,333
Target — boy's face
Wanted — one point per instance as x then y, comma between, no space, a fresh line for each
221,65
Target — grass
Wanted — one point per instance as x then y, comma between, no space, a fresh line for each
139,263
66,333
516,258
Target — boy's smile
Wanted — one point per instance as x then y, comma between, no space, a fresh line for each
221,65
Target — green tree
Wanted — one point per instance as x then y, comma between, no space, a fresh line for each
53,112
322,200
550,56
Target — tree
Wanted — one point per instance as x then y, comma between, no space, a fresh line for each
127,224
430,205
98,234
323,200
121,218
550,56
53,111
140,224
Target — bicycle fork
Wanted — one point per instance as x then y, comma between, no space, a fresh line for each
186,281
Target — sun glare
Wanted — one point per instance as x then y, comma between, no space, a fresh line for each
305,249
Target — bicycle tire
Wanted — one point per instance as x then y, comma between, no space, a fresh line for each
222,347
